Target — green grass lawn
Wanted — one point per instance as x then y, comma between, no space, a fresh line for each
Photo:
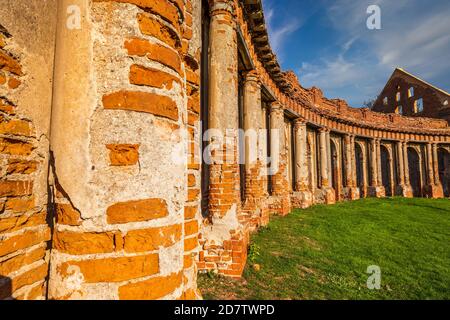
323,253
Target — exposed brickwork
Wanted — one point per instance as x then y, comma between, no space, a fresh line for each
415,97
23,221
142,246
131,213
255,207
123,154
136,211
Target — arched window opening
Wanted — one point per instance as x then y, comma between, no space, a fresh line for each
418,106
444,170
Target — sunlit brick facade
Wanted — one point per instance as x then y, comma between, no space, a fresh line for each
105,191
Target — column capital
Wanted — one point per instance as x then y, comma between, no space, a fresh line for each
222,6
299,122
252,76
276,107
349,137
323,129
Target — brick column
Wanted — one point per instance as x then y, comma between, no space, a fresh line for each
353,160
327,193
255,206
302,197
26,68
433,188
375,189
263,156
225,239
379,169
280,200
401,166
402,188
120,227
392,171
406,163
347,161
324,170
437,180
351,190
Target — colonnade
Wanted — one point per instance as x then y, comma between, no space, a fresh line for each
295,155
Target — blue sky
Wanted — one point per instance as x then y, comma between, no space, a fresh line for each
328,44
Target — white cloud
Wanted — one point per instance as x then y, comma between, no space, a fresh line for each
423,45
415,36
279,33
330,74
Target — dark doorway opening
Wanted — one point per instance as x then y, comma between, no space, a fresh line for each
360,169
335,182
444,170
414,172
204,105
386,171
292,149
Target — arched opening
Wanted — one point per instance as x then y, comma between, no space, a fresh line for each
335,181
414,171
444,170
386,170
360,169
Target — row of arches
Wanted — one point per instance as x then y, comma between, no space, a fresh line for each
416,166
388,171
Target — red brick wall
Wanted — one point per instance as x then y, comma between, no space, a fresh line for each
433,100
142,239
24,232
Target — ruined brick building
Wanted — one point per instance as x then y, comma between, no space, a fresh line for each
411,96
101,99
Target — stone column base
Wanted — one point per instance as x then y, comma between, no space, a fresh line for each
302,199
325,196
265,214
376,192
280,205
256,213
404,191
227,257
434,191
352,193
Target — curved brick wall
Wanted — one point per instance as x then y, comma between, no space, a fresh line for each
125,208
26,67
321,152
